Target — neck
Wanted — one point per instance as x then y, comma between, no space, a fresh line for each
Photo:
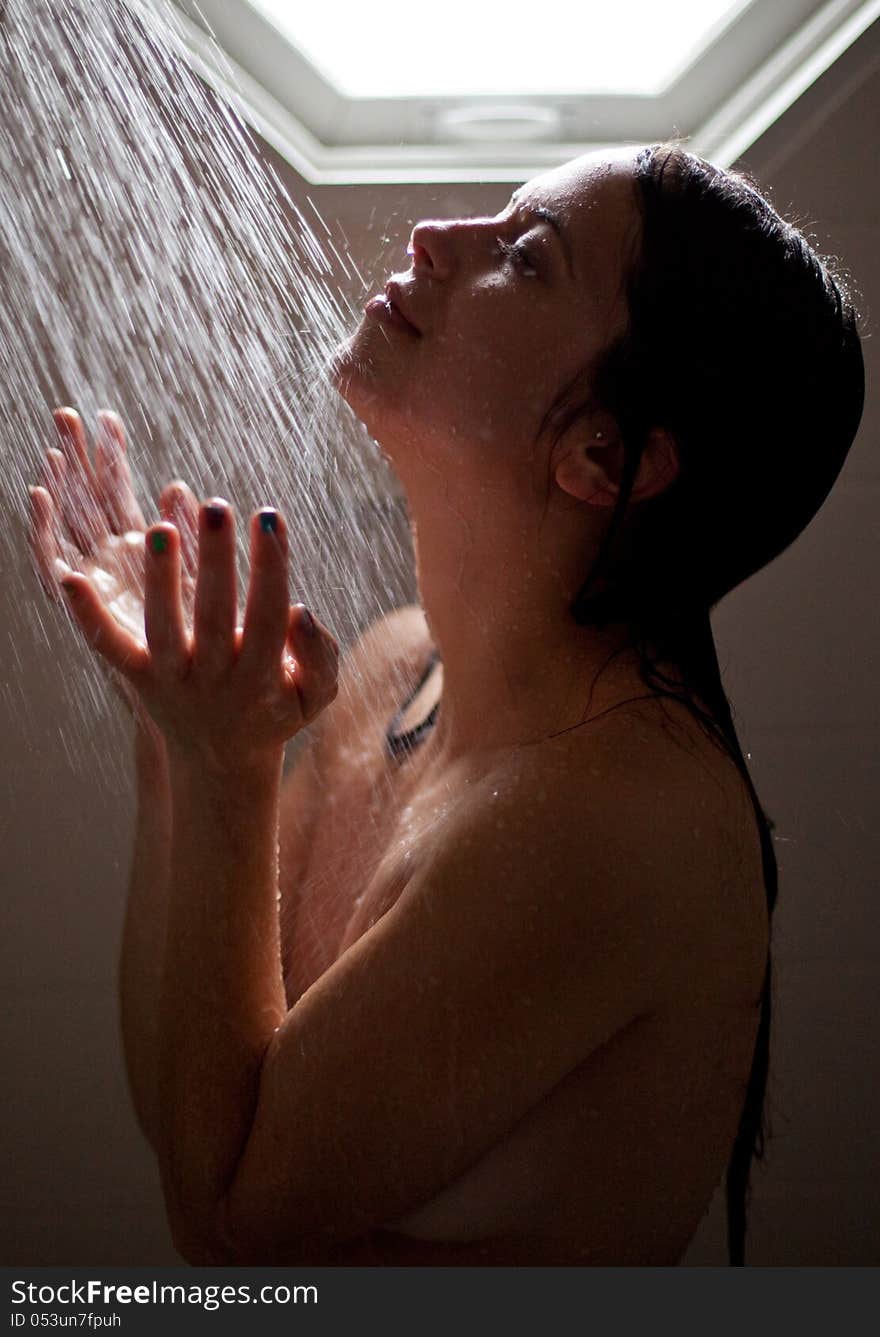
517,668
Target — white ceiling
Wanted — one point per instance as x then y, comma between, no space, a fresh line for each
492,90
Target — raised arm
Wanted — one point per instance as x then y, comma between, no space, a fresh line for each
86,517
143,935
146,916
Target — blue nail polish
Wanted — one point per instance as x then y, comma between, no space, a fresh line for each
269,521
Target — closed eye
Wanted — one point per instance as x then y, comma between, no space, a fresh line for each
519,255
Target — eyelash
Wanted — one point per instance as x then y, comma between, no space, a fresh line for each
519,255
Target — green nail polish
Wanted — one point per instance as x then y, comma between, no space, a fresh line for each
269,522
159,541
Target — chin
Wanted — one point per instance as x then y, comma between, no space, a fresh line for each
351,364
342,366
348,373
353,373
377,394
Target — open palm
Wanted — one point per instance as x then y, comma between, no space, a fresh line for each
88,517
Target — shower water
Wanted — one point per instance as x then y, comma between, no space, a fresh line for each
153,262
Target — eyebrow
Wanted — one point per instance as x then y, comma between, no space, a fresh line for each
548,216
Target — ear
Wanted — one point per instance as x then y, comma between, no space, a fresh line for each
591,469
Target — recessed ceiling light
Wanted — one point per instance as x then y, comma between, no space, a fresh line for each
498,122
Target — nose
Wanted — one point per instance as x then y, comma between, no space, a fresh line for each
428,247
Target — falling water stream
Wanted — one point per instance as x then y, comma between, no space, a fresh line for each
152,262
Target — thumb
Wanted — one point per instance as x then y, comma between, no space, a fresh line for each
316,652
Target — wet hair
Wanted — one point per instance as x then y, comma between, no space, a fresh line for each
742,342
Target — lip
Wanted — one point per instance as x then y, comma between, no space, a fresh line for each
392,295
379,308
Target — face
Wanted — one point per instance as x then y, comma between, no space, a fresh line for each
505,313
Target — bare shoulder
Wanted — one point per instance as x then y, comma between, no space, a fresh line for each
394,637
387,650
692,799
385,655
381,666
663,815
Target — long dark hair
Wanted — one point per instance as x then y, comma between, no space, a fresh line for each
741,342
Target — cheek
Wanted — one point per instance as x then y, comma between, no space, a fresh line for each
505,380
480,400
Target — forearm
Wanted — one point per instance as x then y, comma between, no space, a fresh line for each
144,929
222,994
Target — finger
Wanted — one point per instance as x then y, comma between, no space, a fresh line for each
163,613
316,651
42,542
80,506
53,482
115,645
113,476
179,504
266,618
216,602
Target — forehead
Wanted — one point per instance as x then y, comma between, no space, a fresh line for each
593,193
595,199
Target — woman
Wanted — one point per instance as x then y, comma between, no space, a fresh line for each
516,1007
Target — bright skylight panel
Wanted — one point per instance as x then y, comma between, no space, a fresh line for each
401,48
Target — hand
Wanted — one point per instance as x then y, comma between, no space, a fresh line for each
221,695
89,520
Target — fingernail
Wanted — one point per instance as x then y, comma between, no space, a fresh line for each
159,541
307,622
269,521
214,516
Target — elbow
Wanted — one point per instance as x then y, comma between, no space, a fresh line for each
199,1242
230,1244
201,1224
210,1238
226,1234
196,1221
